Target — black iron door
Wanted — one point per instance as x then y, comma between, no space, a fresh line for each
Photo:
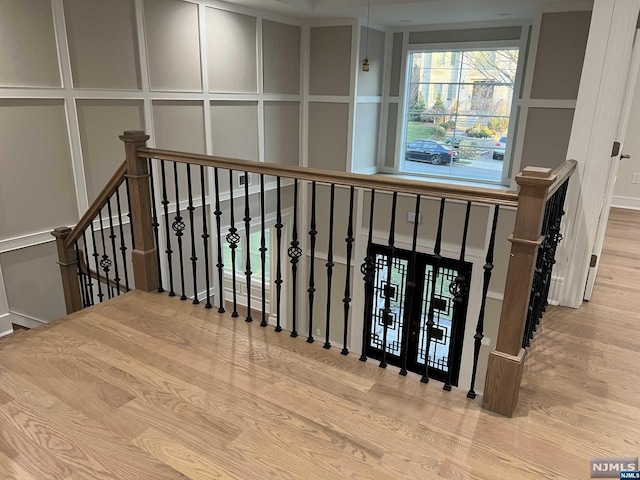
410,302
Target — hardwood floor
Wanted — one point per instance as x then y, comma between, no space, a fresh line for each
148,387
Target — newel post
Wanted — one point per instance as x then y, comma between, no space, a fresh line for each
145,266
68,261
506,361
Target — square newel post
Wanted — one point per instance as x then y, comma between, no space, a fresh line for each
68,261
506,361
145,266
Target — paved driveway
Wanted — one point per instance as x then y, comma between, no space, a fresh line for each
481,168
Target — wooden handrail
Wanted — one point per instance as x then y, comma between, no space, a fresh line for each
384,183
101,200
561,173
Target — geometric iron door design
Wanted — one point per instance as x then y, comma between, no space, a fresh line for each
409,306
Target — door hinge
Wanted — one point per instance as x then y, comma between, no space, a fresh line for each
615,151
594,261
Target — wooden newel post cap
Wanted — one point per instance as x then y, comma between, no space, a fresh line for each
61,232
134,136
536,176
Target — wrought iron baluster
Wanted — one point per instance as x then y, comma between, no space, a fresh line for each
168,251
81,280
220,264
178,227
247,231
386,316
329,265
411,284
263,254
347,283
205,239
112,236
105,263
294,252
368,270
96,255
459,288
312,234
88,266
279,255
233,238
193,258
133,238
123,246
156,225
437,259
488,267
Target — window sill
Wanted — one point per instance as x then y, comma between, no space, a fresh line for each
447,181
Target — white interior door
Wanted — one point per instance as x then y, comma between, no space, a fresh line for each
613,171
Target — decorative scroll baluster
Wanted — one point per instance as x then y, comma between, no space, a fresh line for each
347,283
112,236
205,240
88,266
312,234
329,265
193,258
432,297
488,267
155,225
233,238
96,255
294,252
459,288
411,287
279,255
168,251
386,316
178,227
263,254
81,278
368,270
105,263
247,230
220,264
123,246
133,238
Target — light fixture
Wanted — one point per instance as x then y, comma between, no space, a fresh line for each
365,60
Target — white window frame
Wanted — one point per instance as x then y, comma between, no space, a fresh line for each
516,102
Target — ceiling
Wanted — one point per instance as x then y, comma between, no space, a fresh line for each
401,12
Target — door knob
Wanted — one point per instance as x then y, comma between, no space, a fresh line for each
625,157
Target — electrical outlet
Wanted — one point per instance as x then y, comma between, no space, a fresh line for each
318,332
486,341
411,217
635,178
242,179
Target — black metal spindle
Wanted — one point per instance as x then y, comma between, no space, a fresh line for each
123,246
168,251
220,264
459,288
347,283
178,227
95,256
133,238
155,224
193,258
88,267
312,235
294,252
368,270
386,316
437,258
233,238
247,231
488,267
263,254
112,236
329,265
205,239
105,263
411,284
81,280
279,255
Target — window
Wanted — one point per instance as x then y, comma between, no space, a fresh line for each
458,113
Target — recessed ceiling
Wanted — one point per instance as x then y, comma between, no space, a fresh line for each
401,12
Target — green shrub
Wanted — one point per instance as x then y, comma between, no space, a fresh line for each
478,132
448,125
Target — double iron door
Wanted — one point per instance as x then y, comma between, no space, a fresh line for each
412,293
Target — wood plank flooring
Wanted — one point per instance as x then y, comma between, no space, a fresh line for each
148,387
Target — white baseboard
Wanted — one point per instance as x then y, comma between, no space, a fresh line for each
25,320
628,203
4,334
